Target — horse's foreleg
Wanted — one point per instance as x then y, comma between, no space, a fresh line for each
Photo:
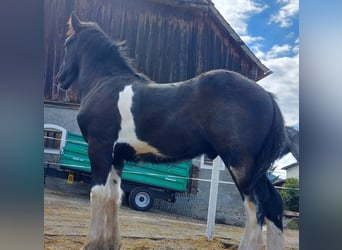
97,219
105,200
114,194
97,199
103,233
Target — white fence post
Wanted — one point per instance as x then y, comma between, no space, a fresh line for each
215,174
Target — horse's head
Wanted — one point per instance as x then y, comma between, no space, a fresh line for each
76,44
69,69
90,54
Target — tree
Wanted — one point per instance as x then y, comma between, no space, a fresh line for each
290,194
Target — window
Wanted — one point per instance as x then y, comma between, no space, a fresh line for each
54,138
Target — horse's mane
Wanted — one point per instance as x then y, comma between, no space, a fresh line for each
122,48
124,58
97,41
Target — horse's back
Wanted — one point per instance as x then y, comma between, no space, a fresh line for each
214,109
229,82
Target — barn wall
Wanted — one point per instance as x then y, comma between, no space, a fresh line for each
229,209
166,42
61,116
293,172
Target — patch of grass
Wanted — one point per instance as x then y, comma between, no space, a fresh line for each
293,224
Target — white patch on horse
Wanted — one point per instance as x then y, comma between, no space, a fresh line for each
105,201
97,220
252,236
127,133
275,238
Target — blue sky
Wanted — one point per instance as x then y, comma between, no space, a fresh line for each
270,29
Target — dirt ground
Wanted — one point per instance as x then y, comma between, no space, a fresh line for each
66,218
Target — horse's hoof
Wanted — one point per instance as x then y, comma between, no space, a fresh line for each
101,245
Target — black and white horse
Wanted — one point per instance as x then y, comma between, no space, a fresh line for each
125,116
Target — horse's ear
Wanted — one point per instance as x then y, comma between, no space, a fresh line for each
74,24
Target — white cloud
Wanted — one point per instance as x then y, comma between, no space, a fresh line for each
257,50
290,35
237,12
251,39
278,50
284,83
286,12
296,46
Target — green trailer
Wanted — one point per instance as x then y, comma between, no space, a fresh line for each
141,182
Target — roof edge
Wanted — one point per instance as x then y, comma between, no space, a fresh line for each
239,41
185,3
208,5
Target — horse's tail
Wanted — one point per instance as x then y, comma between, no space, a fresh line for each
272,148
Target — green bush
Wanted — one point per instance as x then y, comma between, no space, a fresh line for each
290,195
293,224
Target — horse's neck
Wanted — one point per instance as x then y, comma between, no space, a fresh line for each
87,84
94,73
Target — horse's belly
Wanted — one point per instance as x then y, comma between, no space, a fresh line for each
140,147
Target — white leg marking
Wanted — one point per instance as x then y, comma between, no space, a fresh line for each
97,219
127,133
275,239
105,201
114,194
252,236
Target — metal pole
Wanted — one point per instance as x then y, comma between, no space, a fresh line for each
215,174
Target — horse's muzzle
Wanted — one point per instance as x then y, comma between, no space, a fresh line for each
62,80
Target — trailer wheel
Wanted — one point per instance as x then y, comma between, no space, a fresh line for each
140,199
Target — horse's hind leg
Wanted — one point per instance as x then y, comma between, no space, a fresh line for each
261,202
271,207
242,174
252,236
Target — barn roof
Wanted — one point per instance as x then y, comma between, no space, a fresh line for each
209,5
186,2
242,44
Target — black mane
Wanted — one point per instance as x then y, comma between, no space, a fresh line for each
101,47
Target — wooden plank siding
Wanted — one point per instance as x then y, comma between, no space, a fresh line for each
167,40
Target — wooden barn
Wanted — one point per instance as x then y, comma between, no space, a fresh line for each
168,40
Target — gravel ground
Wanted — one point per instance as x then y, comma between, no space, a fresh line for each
66,218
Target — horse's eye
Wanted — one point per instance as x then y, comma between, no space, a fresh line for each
115,182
